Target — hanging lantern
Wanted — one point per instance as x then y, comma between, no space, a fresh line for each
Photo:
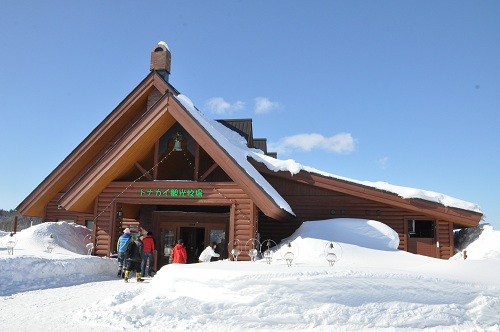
268,252
289,255
330,255
268,256
89,244
253,251
51,243
236,251
10,243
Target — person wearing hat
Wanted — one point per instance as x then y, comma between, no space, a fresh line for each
123,241
133,258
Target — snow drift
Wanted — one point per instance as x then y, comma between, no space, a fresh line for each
372,287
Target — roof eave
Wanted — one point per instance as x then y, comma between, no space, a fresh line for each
34,203
457,216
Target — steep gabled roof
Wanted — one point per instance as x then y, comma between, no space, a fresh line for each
130,145
92,146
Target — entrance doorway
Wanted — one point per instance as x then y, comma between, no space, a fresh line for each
421,237
196,229
194,240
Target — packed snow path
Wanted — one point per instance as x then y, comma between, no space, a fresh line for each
55,309
319,299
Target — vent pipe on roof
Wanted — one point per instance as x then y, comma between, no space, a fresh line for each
161,59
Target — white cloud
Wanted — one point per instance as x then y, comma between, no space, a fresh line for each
339,143
218,105
383,162
264,105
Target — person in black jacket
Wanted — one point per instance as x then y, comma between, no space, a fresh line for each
133,258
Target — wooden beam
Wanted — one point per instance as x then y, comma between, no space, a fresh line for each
196,161
144,171
207,173
156,159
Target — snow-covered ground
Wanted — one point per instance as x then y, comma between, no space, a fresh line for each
372,286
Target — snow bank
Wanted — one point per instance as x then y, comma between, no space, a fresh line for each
373,287
366,233
66,237
480,243
32,266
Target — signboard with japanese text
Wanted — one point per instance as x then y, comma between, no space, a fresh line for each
171,193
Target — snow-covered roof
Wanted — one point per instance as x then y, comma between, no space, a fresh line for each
236,146
405,192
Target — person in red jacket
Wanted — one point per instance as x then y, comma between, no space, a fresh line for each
148,247
179,254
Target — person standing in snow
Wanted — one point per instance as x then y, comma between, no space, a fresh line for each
122,243
208,253
179,254
148,247
133,259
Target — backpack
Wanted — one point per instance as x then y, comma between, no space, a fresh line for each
129,249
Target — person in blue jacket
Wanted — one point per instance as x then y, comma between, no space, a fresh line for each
123,241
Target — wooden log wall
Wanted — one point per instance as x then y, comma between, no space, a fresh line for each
313,203
153,193
54,213
103,226
446,247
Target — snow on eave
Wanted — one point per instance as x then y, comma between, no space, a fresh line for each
404,192
235,146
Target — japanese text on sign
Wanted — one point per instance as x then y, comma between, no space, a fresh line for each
171,192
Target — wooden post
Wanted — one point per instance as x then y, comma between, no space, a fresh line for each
14,226
155,258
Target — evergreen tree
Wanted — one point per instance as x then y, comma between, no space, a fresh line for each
23,222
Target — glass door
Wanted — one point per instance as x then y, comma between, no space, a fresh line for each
167,243
194,240
218,236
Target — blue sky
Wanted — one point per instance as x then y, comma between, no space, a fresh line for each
406,92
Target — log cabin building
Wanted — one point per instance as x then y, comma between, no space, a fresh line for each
157,163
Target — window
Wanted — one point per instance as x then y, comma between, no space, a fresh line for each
421,228
89,224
